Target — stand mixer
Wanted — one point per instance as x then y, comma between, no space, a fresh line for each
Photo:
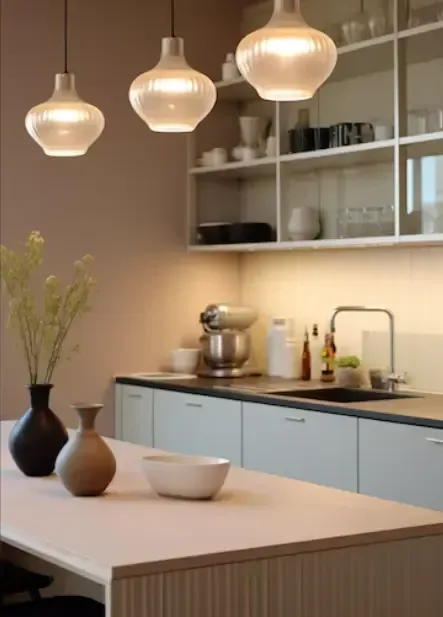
225,344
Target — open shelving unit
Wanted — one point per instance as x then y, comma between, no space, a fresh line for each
394,74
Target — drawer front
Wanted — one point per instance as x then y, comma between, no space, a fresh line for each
200,425
309,446
137,415
401,463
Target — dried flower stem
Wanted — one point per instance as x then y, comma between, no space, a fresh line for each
42,337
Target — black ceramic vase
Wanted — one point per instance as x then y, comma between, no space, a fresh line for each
37,438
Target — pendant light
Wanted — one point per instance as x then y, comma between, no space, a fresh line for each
287,60
172,97
65,125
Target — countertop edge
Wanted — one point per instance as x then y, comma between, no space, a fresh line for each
269,399
90,570
283,550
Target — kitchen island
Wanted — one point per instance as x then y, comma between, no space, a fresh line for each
266,547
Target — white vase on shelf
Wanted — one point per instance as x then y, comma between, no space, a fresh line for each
304,224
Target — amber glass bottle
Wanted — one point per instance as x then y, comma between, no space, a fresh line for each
306,359
327,355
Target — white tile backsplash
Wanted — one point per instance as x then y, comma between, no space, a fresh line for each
417,355
308,286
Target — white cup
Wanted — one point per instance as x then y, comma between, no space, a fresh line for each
383,131
184,360
206,158
248,154
218,156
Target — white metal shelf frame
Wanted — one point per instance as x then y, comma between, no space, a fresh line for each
399,148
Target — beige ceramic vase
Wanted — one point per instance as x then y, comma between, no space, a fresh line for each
86,465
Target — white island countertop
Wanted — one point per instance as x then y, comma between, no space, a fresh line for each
132,532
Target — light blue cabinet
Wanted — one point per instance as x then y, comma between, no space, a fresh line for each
134,414
401,463
306,445
392,461
199,425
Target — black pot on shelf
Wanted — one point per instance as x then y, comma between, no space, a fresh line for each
37,438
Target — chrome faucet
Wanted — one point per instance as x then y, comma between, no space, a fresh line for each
393,378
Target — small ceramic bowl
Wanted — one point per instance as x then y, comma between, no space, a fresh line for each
185,360
186,477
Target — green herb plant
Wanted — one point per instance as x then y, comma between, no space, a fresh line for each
43,319
348,362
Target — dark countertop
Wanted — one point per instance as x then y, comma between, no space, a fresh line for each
419,409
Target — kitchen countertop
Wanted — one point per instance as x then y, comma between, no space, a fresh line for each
424,410
131,532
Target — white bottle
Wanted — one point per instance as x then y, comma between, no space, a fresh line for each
229,68
277,347
291,366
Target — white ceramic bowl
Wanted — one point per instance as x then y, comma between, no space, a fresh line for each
185,360
188,477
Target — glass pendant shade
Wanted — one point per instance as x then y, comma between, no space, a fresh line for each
65,125
287,60
172,97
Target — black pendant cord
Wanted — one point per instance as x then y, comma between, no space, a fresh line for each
172,18
65,35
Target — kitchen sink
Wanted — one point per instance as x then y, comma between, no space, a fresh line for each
343,395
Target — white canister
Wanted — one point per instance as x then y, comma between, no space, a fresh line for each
229,68
304,224
277,347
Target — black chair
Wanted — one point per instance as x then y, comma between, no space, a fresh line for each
15,579
59,606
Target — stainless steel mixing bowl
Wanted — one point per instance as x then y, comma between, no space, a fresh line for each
227,349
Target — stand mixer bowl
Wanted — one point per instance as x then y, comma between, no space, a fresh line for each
229,349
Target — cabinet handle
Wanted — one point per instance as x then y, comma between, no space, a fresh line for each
135,396
198,405
292,419
434,440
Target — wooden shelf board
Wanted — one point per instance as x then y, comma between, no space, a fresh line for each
428,144
421,240
346,156
434,26
238,170
423,43
330,244
290,245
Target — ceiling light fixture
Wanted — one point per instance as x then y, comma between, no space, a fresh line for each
287,60
65,125
172,97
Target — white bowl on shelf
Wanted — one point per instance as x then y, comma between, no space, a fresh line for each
186,477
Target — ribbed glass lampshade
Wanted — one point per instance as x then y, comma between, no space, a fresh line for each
65,125
172,97
287,60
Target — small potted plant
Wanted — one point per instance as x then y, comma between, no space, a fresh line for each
348,369
42,320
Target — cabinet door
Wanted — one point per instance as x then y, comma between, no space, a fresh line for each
200,425
306,445
136,415
401,463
